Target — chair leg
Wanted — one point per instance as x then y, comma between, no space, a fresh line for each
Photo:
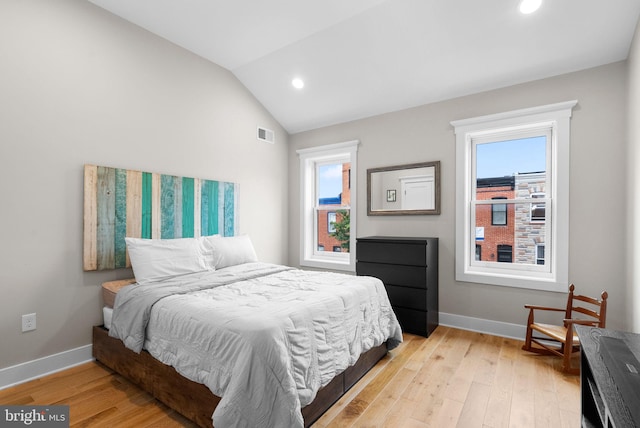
527,341
566,360
567,350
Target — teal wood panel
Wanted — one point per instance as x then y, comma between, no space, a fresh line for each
229,198
180,199
167,207
187,207
204,208
209,208
147,198
177,207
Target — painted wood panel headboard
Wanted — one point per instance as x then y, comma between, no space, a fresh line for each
119,203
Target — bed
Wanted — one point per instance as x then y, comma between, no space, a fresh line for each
240,342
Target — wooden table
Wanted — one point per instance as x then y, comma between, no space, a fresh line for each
603,404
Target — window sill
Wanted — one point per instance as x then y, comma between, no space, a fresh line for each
346,266
513,280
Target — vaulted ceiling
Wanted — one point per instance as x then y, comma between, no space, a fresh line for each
359,58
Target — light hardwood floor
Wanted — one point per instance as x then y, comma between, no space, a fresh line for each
455,378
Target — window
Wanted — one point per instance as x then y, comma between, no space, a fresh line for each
499,213
327,218
331,222
537,208
505,253
540,254
524,153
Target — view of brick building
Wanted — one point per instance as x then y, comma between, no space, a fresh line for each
494,223
330,213
511,232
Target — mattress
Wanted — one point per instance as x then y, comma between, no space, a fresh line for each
111,288
107,314
109,291
263,337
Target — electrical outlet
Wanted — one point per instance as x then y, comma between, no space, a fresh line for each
28,322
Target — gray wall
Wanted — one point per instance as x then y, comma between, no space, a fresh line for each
78,85
598,185
633,194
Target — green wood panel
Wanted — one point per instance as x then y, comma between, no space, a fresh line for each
146,204
106,209
120,248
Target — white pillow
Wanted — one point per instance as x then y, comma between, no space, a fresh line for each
210,258
230,250
155,259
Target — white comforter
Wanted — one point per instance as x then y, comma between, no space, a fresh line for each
263,337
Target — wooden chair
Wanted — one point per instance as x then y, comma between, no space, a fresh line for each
562,340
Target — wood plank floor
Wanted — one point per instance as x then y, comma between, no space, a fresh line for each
455,378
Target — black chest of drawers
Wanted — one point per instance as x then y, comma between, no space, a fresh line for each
409,269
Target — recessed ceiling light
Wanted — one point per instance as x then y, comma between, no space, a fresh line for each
529,6
297,83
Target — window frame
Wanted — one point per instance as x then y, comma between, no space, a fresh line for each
556,118
309,160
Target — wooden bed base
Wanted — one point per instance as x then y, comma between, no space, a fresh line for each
194,400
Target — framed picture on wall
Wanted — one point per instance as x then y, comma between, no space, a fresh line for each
391,195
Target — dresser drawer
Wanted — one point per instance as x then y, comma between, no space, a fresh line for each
408,276
392,252
412,298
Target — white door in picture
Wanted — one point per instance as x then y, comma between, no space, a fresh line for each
418,193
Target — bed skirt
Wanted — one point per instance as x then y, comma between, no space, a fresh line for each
194,400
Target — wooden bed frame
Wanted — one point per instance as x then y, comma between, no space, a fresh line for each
194,400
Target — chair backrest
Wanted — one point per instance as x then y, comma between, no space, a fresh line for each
597,310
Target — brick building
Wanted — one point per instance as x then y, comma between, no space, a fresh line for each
329,212
495,226
511,233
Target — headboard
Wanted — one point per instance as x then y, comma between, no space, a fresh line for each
119,203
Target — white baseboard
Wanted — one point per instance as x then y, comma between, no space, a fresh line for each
496,328
30,370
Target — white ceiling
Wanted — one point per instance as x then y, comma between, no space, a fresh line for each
360,58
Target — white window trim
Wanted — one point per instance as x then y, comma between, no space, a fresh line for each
558,117
308,159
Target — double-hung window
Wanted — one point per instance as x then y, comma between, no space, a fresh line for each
530,150
327,215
